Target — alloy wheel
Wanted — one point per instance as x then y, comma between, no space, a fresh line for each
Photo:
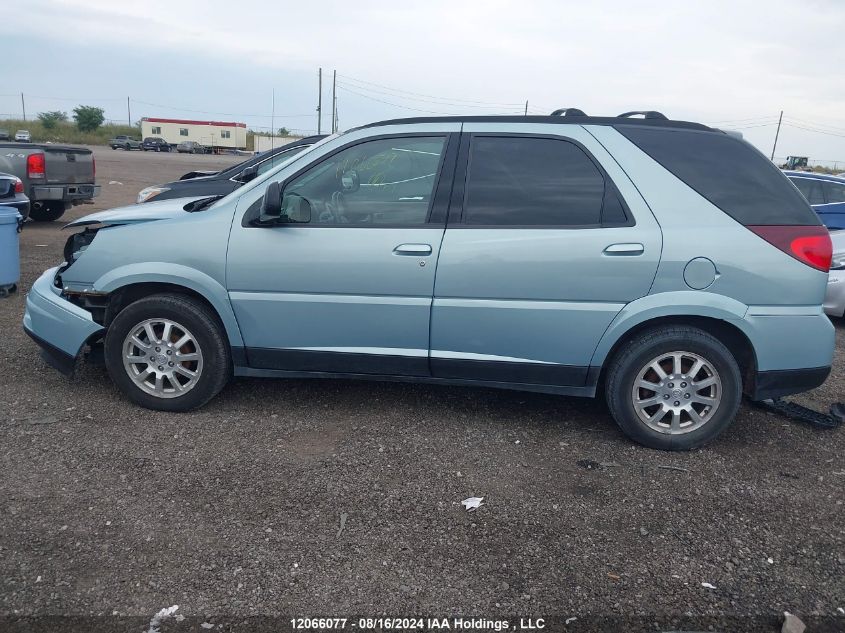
677,392
162,358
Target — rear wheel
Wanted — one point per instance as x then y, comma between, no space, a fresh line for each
674,389
167,352
47,211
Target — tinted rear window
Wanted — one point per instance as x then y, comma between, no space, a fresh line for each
727,171
521,181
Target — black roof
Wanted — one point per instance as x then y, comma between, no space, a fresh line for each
568,119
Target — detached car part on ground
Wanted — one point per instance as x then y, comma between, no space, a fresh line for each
220,183
664,264
55,177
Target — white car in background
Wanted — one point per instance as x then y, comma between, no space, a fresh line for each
23,136
834,303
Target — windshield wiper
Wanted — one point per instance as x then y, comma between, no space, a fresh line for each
202,203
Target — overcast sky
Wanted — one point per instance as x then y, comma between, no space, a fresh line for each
733,63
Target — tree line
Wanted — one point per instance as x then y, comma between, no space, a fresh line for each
87,118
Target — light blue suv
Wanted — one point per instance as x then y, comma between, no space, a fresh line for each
665,264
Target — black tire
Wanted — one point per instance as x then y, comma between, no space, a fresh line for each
47,211
127,147
114,146
635,355
203,324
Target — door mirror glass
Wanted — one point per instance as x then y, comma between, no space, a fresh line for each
350,182
295,209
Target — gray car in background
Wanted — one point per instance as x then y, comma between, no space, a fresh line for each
834,303
55,177
12,194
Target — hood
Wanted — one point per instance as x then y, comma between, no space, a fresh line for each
135,213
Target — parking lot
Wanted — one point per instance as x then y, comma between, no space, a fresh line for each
314,498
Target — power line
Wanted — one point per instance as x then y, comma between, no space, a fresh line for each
396,105
235,114
816,124
752,119
420,94
749,127
434,101
809,129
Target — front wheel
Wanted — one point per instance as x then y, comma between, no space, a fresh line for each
168,352
675,388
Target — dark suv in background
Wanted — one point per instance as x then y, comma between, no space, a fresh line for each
155,144
226,181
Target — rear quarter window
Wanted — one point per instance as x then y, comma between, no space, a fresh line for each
728,172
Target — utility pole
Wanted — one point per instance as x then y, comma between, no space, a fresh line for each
526,107
128,112
774,147
334,101
319,100
23,107
273,122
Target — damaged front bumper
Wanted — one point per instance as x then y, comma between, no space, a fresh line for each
57,325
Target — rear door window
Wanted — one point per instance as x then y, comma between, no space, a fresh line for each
727,171
809,188
525,181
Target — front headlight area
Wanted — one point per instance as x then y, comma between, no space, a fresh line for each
76,245
145,195
82,295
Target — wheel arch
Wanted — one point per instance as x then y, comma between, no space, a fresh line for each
724,323
127,284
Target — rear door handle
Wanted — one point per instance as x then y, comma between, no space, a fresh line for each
624,249
415,250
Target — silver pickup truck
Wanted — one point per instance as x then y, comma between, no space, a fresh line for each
55,177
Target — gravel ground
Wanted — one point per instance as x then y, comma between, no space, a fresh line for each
308,498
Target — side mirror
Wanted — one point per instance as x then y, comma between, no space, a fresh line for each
271,204
295,209
349,181
248,174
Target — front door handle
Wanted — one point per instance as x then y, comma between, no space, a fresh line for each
415,250
624,249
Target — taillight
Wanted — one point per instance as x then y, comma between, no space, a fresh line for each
35,165
18,185
810,245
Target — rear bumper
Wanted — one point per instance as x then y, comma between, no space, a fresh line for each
834,301
19,205
67,193
58,326
785,382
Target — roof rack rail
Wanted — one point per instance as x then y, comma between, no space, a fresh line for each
568,112
647,114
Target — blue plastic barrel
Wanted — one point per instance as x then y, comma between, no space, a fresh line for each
10,261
